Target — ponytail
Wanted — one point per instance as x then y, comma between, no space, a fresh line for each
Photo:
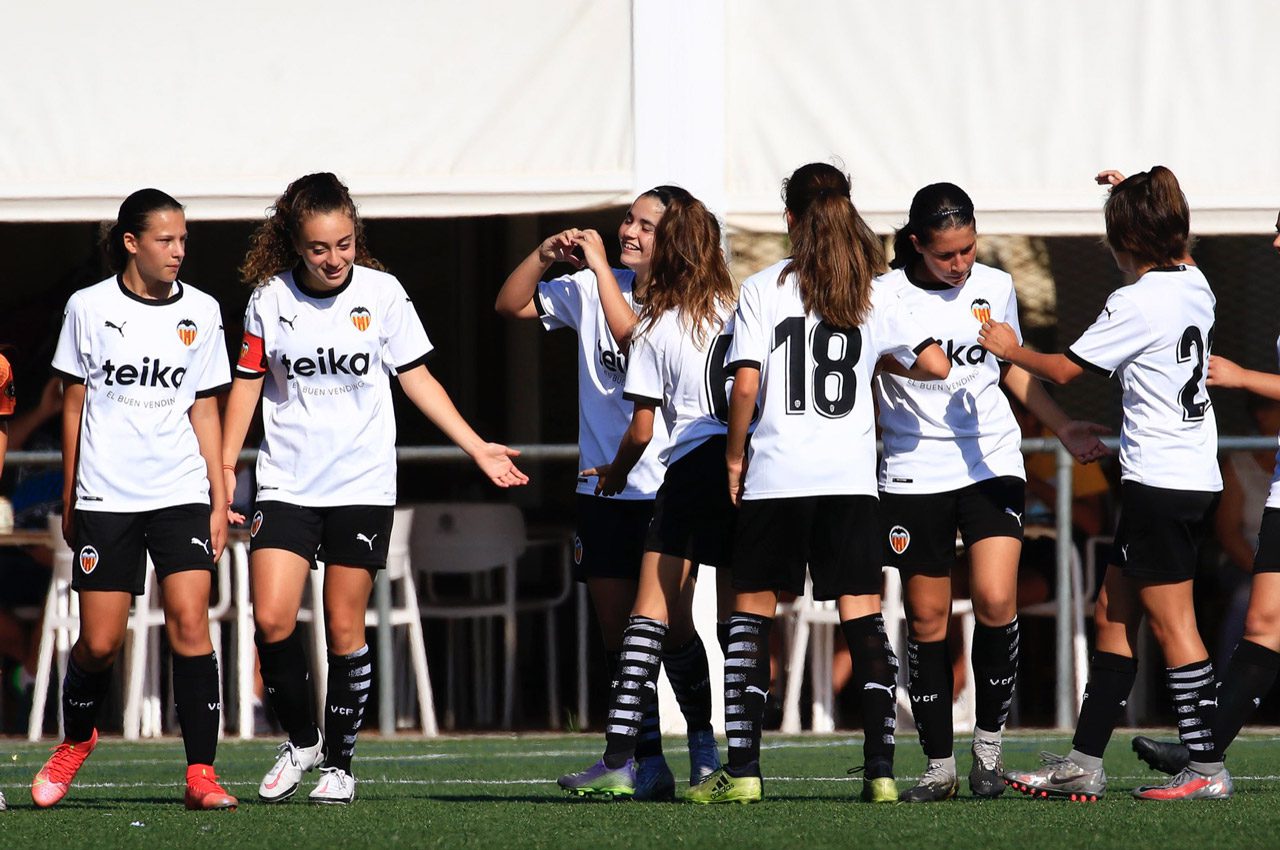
936,207
834,253
1148,217
132,218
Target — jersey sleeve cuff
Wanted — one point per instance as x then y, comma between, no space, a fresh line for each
414,363
218,390
67,376
249,374
538,304
742,364
642,399
1087,366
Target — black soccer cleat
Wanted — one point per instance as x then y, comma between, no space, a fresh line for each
1161,755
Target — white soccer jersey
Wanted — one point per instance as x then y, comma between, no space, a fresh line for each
1156,333
816,432
687,381
329,430
143,364
573,301
943,435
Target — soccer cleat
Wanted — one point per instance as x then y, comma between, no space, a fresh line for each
602,781
284,777
704,756
722,787
881,790
203,790
654,781
938,782
1060,777
51,783
336,787
1162,756
1190,785
985,776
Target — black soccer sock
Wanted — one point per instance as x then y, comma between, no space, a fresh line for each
350,683
1193,692
82,694
746,689
635,687
722,637
1111,679
195,699
286,681
691,681
995,669
930,682
1250,675
875,674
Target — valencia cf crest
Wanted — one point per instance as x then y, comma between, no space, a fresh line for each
256,524
88,559
981,309
360,318
187,332
577,550
244,349
899,539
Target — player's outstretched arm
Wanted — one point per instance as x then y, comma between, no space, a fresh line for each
612,477
1229,375
242,401
515,298
617,312
494,459
204,421
1080,438
1000,340
72,409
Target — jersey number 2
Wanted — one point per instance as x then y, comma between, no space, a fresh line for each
1194,397
835,355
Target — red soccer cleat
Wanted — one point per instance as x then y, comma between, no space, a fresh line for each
54,779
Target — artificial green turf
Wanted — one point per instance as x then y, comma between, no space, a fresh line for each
500,792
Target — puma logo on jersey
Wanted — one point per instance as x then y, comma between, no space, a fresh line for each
329,362
203,544
150,374
888,689
119,327
1011,512
187,332
899,539
368,540
962,355
1107,310
289,322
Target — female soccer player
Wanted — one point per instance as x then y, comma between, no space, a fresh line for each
1256,660
610,535
142,356
808,333
953,463
676,361
1155,332
324,328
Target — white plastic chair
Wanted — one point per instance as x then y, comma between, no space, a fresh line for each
482,541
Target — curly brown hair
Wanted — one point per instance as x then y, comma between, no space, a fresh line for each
273,246
688,272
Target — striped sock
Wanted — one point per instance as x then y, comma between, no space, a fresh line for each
746,689
691,680
1193,691
350,683
635,687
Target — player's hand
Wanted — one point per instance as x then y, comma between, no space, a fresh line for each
607,482
592,248
1224,373
1082,440
218,532
494,460
560,248
1110,177
737,478
998,338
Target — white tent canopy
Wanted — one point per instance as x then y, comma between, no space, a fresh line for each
434,108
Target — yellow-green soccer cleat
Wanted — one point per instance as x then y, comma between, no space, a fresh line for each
602,782
881,790
721,787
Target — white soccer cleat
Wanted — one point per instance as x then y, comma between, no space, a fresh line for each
285,775
336,787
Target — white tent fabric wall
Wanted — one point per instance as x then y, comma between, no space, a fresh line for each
1021,103
426,108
